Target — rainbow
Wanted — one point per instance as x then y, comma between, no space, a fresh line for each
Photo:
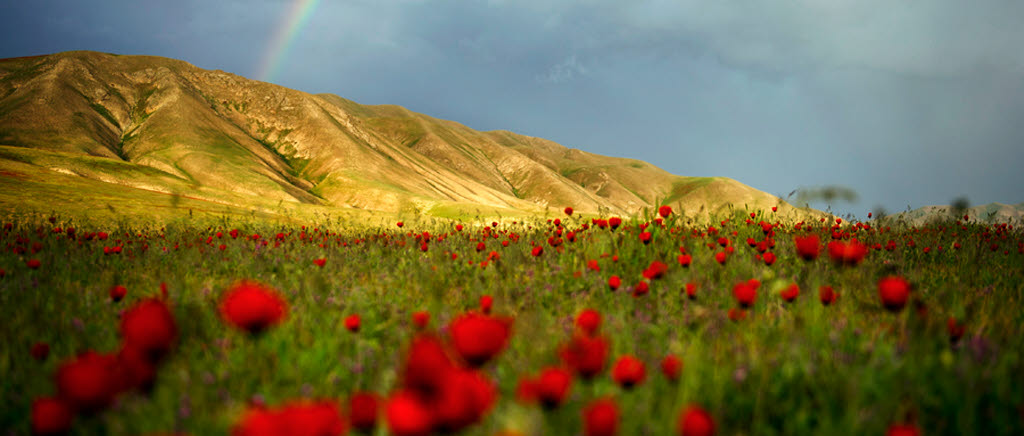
298,15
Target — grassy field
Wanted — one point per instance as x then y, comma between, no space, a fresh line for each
852,367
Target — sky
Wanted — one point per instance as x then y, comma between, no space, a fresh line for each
908,103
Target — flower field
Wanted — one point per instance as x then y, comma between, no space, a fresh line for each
661,325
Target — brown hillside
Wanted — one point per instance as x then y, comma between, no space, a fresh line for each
226,133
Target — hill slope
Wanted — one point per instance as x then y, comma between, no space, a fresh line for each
164,125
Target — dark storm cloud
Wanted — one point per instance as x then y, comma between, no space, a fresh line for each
909,103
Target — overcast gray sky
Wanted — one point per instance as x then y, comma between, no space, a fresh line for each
907,102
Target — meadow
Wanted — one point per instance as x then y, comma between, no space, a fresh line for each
746,323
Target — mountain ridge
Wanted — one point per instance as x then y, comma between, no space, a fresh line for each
221,132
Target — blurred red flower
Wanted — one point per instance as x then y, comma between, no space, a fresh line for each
691,290
352,323
117,292
790,293
553,387
601,418
479,338
40,351
585,355
745,293
827,295
149,327
656,270
641,288
665,211
252,306
671,366
628,371
893,291
695,421
362,411
89,382
588,321
808,247
421,319
407,416
51,416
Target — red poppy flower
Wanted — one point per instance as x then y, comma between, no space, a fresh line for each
775,208
614,282
478,338
149,327
641,288
320,262
955,329
553,387
695,421
614,222
252,306
33,263
721,257
321,418
362,410
537,251
665,211
893,292
421,319
691,291
656,270
407,416
51,416
808,247
628,372
117,292
685,260
425,360
526,390
352,323
588,321
827,295
464,399
671,366
400,224
736,314
568,211
40,351
486,303
585,355
903,430
601,418
745,293
89,382
645,237
768,258
135,369
790,293
849,254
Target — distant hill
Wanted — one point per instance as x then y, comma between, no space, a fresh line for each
164,126
992,212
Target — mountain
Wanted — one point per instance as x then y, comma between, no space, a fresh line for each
165,126
992,213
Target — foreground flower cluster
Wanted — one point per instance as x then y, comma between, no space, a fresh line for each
572,325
